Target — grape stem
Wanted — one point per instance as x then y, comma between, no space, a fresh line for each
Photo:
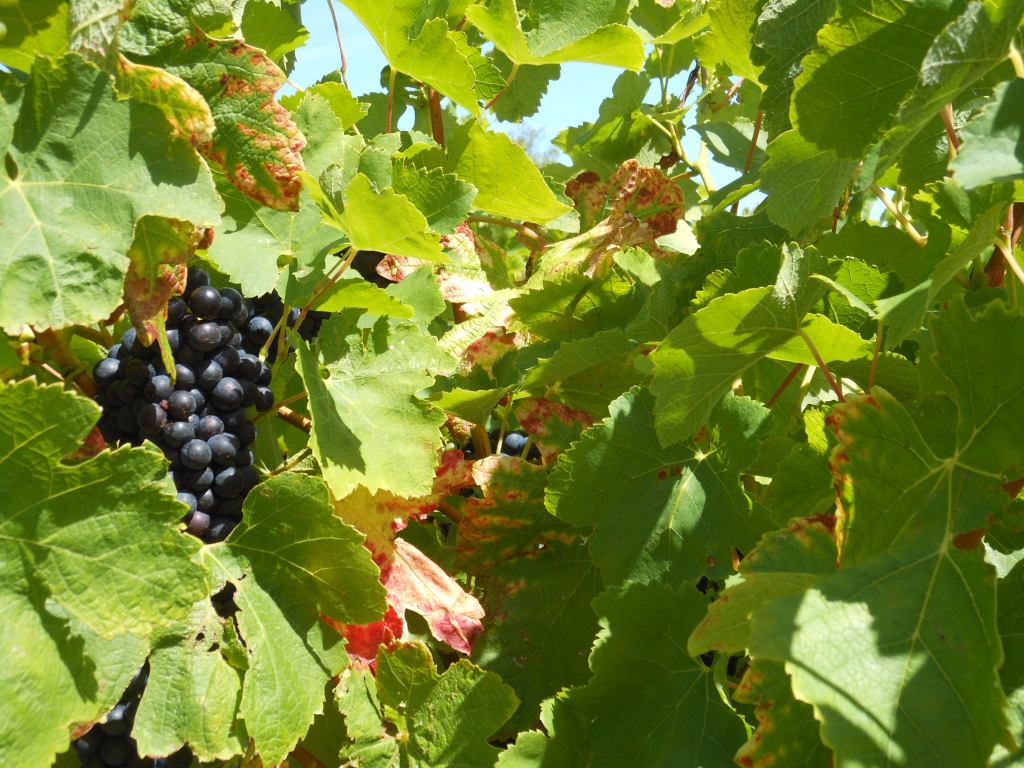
821,364
899,215
947,119
391,97
520,228
750,152
341,48
785,383
299,458
878,351
297,420
511,77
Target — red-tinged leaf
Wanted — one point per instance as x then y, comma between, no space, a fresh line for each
645,193
411,578
157,272
477,272
257,144
183,106
93,445
554,426
397,268
537,580
364,640
494,345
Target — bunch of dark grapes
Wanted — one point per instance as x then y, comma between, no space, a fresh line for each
110,745
199,420
269,309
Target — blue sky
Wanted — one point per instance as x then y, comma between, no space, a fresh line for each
571,100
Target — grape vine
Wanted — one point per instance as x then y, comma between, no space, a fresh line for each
348,430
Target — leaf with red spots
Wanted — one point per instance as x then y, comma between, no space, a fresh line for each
787,733
183,106
412,580
156,273
671,514
257,145
553,426
644,193
537,580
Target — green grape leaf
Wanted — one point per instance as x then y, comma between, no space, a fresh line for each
419,46
803,183
560,744
92,563
566,31
441,197
699,359
415,717
507,181
380,221
669,514
291,559
731,36
346,107
238,82
362,294
886,248
993,143
787,732
538,583
255,241
651,702
272,28
521,97
93,26
730,143
1010,599
801,485
472,405
833,342
578,307
194,692
786,32
74,138
36,28
588,374
367,426
183,106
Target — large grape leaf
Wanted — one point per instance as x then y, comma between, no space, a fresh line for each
194,689
256,145
273,28
562,743
701,358
417,42
652,703
255,240
412,716
538,582
565,31
368,429
78,148
37,28
507,181
91,562
183,106
669,514
1010,593
291,559
993,148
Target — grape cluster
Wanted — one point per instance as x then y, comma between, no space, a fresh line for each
110,745
199,419
269,310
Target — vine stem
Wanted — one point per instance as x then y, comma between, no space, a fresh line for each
298,459
341,48
874,361
1017,59
511,77
481,441
947,119
728,96
520,228
436,117
391,96
282,404
750,153
265,350
899,215
297,420
821,364
785,383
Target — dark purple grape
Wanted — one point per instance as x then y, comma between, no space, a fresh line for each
206,502
231,508
197,278
197,480
184,377
236,340
227,394
181,405
208,427
244,458
116,721
259,330
158,388
126,391
220,529
88,744
224,447
196,454
234,420
104,373
204,336
199,397
139,404
265,376
241,317
188,355
177,433
247,434
205,302
173,339
513,444
250,393
138,372
231,303
198,523
115,352
227,358
175,311
227,332
251,477
152,418
248,367
116,750
126,420
228,482
128,339
173,455
208,374
188,500
264,399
